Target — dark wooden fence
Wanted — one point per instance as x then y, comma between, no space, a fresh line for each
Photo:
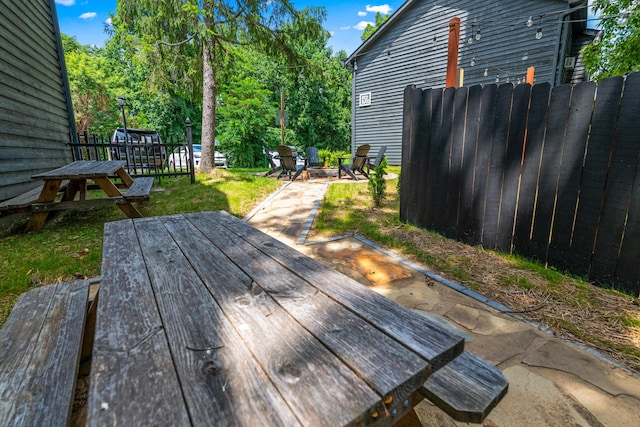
553,175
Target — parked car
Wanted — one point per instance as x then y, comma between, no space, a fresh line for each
144,146
179,159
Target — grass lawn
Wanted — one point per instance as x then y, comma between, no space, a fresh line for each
70,245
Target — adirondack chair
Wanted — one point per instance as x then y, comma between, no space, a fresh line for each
272,164
313,158
288,157
357,165
376,160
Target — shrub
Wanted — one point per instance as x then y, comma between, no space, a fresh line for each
377,184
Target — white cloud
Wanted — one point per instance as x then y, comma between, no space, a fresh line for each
384,9
347,27
66,2
362,13
362,25
108,21
88,15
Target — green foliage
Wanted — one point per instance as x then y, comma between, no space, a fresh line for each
333,156
370,29
618,52
244,114
377,184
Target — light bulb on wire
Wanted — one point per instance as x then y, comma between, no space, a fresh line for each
486,72
539,33
530,22
473,62
478,35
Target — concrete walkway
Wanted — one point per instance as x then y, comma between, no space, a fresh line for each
551,382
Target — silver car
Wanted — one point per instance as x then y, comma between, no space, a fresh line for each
179,159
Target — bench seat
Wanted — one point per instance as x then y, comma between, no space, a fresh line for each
22,203
467,388
140,189
40,348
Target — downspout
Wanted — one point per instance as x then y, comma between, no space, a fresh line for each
561,40
354,73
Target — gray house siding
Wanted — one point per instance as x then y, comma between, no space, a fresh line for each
403,52
35,114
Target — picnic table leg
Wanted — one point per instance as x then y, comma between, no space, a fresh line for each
75,186
47,195
125,177
112,191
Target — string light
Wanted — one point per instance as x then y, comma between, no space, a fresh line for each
478,35
497,78
530,22
486,72
539,33
473,61
597,39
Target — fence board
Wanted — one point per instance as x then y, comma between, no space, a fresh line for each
483,157
467,191
596,165
497,165
627,268
445,141
531,167
570,173
619,184
456,167
550,170
424,143
436,154
512,167
410,127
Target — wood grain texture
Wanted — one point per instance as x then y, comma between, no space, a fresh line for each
467,388
40,353
140,188
130,379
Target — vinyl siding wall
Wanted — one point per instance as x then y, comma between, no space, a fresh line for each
405,53
34,115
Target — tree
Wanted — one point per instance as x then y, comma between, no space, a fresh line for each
186,42
370,29
618,50
93,87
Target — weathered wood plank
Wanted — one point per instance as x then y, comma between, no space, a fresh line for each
421,335
83,168
468,388
316,384
39,355
220,378
140,189
384,364
136,346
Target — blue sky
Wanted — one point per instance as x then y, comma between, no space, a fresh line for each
85,19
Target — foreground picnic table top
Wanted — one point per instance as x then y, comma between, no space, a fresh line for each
203,320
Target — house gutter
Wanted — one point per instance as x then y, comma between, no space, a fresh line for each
559,58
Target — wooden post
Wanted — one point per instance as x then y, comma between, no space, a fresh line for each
452,52
530,74
282,116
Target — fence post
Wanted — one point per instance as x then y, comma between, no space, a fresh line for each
190,151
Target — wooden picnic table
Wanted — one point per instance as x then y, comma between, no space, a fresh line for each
202,320
75,176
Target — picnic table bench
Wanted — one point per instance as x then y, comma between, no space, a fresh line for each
72,179
203,319
40,349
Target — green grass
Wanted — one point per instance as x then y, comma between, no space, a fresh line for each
70,245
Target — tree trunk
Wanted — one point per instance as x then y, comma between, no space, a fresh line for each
209,88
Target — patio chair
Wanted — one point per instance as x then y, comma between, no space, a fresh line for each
377,160
357,164
313,158
288,157
272,164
